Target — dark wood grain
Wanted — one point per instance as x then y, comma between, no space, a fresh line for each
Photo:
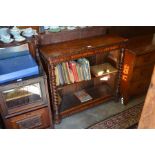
140,58
68,35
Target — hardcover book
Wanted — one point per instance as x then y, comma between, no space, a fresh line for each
102,69
61,78
73,68
70,73
57,76
83,96
17,68
14,51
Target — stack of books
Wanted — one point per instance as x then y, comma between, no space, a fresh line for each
72,71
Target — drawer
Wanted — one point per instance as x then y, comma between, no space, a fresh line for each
139,87
31,120
145,59
142,73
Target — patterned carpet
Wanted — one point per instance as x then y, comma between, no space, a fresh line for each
126,119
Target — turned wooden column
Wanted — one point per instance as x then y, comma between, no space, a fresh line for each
119,76
53,89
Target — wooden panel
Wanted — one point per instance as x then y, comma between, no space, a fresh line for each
65,35
131,31
74,47
127,74
139,87
147,119
35,119
142,73
145,59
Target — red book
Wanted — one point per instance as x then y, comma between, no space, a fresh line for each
69,73
72,65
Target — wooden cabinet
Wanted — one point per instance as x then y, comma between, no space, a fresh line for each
138,66
24,103
96,50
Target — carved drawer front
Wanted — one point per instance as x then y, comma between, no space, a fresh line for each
142,73
145,59
139,87
30,120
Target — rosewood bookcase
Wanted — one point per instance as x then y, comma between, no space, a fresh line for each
96,50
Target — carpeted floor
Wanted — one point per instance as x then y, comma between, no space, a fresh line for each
126,119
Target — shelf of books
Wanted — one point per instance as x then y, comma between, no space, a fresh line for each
82,83
73,72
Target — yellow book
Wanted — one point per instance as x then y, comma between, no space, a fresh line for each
102,69
57,76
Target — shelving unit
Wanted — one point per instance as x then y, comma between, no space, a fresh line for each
96,50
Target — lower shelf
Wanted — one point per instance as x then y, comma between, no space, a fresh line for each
71,104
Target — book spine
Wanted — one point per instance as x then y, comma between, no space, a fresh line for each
84,72
65,73
87,68
81,72
57,76
73,68
60,74
70,73
78,72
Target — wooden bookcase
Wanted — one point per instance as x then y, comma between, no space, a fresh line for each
96,50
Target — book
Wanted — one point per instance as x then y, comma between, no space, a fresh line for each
17,68
81,72
83,96
57,76
85,67
61,79
78,72
72,65
65,73
102,69
70,73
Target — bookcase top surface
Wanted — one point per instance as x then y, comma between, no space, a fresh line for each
71,47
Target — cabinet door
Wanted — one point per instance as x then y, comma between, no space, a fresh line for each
31,120
25,96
